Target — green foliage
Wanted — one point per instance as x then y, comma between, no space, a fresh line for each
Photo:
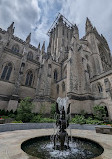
15,113
79,119
5,117
93,121
36,119
53,110
12,115
99,112
8,113
2,112
47,120
24,111
16,121
83,113
40,119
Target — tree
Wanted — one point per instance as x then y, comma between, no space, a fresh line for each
24,111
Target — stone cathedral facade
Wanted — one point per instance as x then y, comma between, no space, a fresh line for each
78,68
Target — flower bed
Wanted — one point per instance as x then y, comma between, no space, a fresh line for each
2,121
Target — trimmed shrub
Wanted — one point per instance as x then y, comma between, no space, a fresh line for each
99,112
36,119
79,119
93,121
24,111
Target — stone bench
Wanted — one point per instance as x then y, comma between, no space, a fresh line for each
104,129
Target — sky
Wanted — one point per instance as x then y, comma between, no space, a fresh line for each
36,16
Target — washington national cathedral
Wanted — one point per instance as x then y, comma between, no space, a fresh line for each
80,69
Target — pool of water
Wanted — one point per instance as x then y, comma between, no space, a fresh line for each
79,148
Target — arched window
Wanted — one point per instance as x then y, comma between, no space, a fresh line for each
6,72
55,75
0,38
104,58
88,70
30,56
57,89
107,84
100,89
15,48
29,78
63,86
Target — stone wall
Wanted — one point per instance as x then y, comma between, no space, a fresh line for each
79,64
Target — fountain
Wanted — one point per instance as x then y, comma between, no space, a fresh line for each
60,144
62,122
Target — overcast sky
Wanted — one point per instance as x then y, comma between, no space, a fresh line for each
36,16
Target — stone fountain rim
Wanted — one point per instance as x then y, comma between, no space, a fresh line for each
23,135
72,136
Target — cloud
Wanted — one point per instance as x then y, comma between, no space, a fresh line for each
36,16
99,12
24,13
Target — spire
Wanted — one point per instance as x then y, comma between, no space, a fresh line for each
89,26
39,48
76,32
11,28
43,47
60,20
28,39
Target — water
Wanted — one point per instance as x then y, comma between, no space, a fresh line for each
80,148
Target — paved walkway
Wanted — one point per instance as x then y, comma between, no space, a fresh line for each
10,142
27,126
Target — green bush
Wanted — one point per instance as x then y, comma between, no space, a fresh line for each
2,112
40,119
36,119
99,112
16,121
12,116
5,117
6,113
83,113
79,119
93,121
24,111
47,120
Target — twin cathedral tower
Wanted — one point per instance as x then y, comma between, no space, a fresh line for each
80,69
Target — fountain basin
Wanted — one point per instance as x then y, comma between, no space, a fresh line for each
79,148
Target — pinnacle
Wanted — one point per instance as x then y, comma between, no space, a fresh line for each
39,46
75,26
28,39
88,22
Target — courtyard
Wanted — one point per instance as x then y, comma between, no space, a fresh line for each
10,142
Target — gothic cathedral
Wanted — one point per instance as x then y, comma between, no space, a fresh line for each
80,69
